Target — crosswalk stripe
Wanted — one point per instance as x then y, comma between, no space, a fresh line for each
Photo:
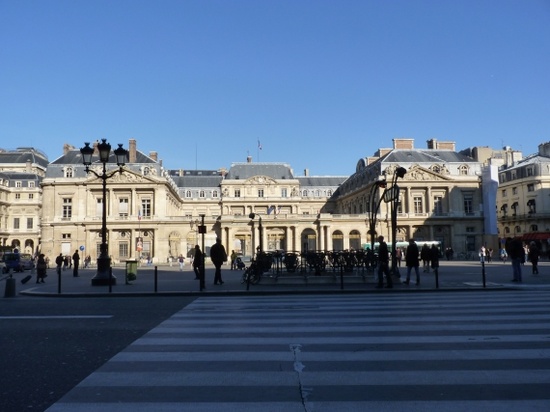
451,351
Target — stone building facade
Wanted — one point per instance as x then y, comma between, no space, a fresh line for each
161,210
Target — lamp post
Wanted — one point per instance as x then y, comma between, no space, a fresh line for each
260,228
391,195
103,276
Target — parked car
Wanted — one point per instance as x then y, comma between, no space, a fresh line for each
18,262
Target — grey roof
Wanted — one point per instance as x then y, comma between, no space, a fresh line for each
317,181
247,170
73,156
196,178
22,155
426,156
12,177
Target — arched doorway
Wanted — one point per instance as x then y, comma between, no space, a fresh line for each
337,240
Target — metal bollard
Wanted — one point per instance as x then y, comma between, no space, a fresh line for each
10,288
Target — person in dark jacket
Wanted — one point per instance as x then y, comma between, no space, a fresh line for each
515,251
76,262
41,269
218,257
533,255
412,261
198,266
434,257
383,264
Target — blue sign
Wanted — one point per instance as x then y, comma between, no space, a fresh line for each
82,248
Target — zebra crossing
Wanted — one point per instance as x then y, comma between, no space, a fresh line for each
385,352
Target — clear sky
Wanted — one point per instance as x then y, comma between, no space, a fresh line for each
319,84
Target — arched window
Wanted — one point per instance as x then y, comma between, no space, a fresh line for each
463,170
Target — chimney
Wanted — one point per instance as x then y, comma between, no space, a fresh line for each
132,151
306,172
66,148
154,156
248,159
432,144
403,143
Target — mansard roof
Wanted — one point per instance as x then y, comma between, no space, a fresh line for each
196,178
13,176
74,157
318,181
247,170
22,155
426,156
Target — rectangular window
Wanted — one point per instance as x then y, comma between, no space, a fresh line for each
468,204
17,196
237,192
438,205
418,207
260,192
31,184
30,223
284,192
530,187
514,190
16,223
99,207
67,208
470,243
504,194
146,208
31,196
123,250
123,207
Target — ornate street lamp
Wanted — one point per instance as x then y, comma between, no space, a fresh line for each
252,216
374,206
103,276
391,195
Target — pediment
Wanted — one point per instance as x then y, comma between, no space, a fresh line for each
260,180
126,176
422,174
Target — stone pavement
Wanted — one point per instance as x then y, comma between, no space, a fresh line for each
163,279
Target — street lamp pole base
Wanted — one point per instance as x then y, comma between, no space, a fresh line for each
103,276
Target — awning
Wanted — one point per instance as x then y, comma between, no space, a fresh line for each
536,236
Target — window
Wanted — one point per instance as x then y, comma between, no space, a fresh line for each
146,208
99,207
18,184
463,170
31,196
418,207
468,204
515,206
504,209
215,194
30,223
123,207
16,223
534,228
31,184
123,250
532,205
504,194
69,172
530,187
438,205
514,190
188,194
260,192
18,196
146,171
284,192
529,171
470,229
67,208
237,192
201,194
507,230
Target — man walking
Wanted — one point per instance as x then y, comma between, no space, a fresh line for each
76,261
412,261
58,262
383,264
218,256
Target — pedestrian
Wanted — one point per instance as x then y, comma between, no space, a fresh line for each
233,260
398,256
383,264
58,262
412,261
503,255
516,252
41,267
181,261
76,262
66,261
425,256
198,266
534,254
218,256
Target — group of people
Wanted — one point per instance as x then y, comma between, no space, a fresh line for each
429,256
218,256
519,253
61,263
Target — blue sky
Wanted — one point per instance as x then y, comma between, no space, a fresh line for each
319,83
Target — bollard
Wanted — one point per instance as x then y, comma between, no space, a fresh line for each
156,279
10,288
